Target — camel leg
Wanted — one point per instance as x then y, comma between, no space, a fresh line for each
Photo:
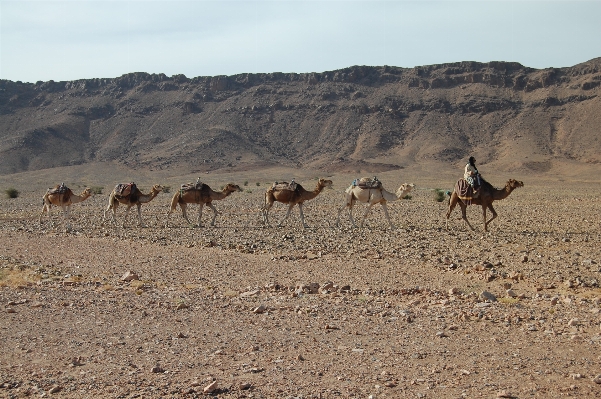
452,205
287,214
385,208
302,216
266,208
44,210
215,212
111,207
365,214
139,206
464,215
494,215
184,207
200,206
126,214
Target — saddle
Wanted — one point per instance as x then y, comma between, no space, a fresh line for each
465,191
125,189
279,186
192,186
367,183
59,189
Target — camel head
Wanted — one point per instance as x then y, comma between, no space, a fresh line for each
321,183
157,188
231,187
513,184
404,189
86,193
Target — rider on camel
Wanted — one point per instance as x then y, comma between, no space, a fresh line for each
471,175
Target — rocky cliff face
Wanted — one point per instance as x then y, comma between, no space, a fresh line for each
369,118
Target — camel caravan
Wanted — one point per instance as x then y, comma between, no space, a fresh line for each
469,190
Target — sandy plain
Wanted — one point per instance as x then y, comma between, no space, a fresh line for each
230,311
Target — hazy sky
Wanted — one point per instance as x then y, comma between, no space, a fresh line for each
68,40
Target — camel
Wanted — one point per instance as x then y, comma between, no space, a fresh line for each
292,197
135,197
372,196
201,194
62,196
487,195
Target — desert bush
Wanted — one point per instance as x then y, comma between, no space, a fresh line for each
96,189
249,191
12,192
246,182
258,184
439,195
167,189
407,197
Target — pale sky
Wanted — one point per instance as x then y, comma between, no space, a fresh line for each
68,40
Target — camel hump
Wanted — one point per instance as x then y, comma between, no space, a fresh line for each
367,182
125,189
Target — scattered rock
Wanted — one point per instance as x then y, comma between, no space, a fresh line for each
129,276
260,309
487,296
211,387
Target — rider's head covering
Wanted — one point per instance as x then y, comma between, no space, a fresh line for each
472,160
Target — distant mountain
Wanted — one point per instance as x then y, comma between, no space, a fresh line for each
358,118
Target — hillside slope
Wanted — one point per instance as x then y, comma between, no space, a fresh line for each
358,118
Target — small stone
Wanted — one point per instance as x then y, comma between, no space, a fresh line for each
55,389
441,334
511,293
525,258
260,309
10,310
244,386
597,379
554,300
182,305
129,276
210,388
573,322
300,357
487,296
454,291
157,369
390,384
507,285
576,376
504,394
250,293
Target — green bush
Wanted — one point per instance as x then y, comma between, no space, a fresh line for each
167,189
12,192
407,197
258,184
96,189
439,195
246,183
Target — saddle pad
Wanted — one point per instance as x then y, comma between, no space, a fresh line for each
284,186
367,182
58,189
464,191
124,189
192,186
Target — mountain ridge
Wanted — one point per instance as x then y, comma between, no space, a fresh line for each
371,118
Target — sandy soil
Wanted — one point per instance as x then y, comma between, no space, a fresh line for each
243,310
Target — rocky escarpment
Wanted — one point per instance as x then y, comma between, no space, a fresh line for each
355,118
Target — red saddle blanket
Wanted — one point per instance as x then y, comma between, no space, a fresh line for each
464,191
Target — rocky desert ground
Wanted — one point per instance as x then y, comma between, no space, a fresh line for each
242,310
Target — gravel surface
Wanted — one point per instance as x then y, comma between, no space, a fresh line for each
240,310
